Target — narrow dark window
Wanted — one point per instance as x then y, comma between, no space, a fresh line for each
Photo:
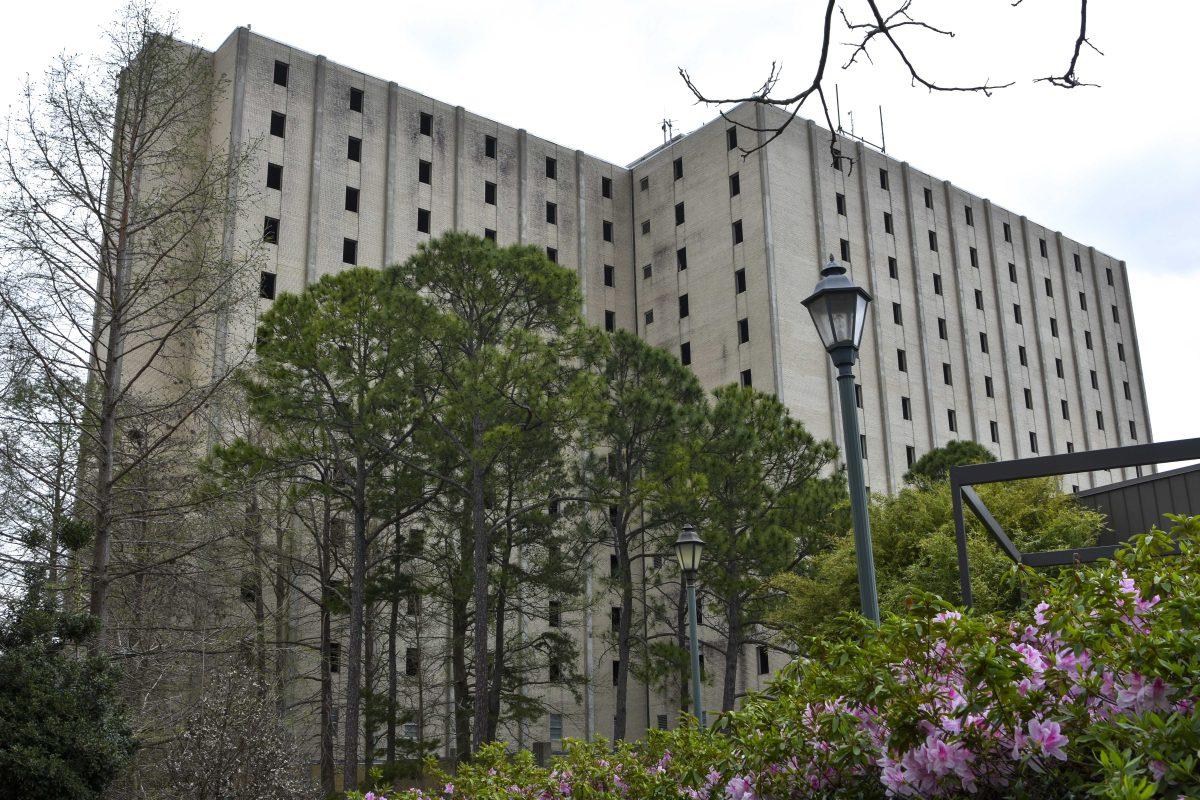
1012,272
937,283
929,198
941,328
840,202
947,377
1132,430
1028,398
270,230
552,168
1095,379
906,408
737,231
1127,394
554,672
335,656
979,299
1116,315
679,213
739,281
607,228
274,176
281,73
681,258
897,314
645,227
1054,327
1058,367
845,248
1049,288
974,255
743,331
349,251
278,124
910,454
685,353
764,660
893,268
610,321
1071,449
1066,411
551,213
648,271
901,361
987,386
356,99
489,146
552,254
983,342
425,172
683,306
352,199
489,234
952,420
1033,448
862,447
616,670
1042,247
423,220
858,397
1100,420
883,179
644,184
995,431
426,124
887,223
1078,263
933,241
606,188
1017,313
1021,355
969,214
735,184
412,661
489,193
609,275
677,166
1082,301
1087,339
661,722
1120,351
747,378
1108,275
1008,233
354,148
266,286
731,137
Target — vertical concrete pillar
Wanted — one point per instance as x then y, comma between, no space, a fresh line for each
919,291
1005,354
582,268
823,251
764,182
314,181
1038,315
390,197
460,132
957,272
1080,374
523,186
890,467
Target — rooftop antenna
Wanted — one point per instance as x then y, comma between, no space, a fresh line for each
837,97
850,114
882,137
668,129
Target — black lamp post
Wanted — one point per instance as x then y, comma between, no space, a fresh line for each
839,310
688,548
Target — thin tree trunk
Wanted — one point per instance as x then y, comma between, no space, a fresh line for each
255,518
480,570
733,652
462,688
623,624
281,623
354,658
328,781
681,625
370,714
392,679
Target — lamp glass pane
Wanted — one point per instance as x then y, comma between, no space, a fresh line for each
842,317
820,318
860,318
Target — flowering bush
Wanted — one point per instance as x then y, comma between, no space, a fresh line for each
1089,692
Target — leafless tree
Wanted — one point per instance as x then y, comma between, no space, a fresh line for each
884,29
116,266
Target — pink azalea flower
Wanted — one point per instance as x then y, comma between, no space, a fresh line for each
1048,737
1039,613
739,788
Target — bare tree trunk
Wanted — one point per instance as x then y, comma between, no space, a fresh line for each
392,678
480,570
623,649
254,518
354,658
733,652
281,623
370,713
324,561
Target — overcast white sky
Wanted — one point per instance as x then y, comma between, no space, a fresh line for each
1116,166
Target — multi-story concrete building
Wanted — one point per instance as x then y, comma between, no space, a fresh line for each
985,325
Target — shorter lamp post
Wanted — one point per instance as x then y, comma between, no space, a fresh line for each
839,310
688,548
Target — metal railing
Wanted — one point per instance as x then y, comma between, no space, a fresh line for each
963,480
